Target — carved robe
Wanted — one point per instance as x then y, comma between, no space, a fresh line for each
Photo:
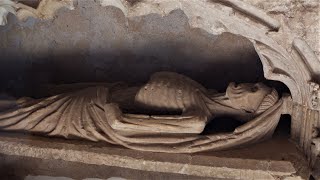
89,114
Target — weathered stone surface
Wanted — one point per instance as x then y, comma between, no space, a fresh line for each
94,43
274,159
301,18
282,60
128,116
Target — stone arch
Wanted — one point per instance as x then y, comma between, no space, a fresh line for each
292,63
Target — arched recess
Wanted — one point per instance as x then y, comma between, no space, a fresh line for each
295,64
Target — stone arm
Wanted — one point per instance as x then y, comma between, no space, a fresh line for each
179,124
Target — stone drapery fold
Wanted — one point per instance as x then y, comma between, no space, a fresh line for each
85,114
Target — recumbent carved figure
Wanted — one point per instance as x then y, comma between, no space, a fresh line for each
100,112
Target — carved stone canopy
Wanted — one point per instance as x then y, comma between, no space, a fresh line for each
290,61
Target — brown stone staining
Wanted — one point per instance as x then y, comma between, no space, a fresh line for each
96,113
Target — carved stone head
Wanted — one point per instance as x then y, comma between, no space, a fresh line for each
253,98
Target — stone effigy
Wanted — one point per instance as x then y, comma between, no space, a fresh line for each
96,113
284,53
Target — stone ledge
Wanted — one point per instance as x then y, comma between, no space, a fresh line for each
204,165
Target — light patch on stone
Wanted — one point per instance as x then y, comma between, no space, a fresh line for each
6,8
115,3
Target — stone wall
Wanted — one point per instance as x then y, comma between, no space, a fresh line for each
94,43
299,17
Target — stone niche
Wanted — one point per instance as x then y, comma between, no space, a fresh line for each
110,48
212,42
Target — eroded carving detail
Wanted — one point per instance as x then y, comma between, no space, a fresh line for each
297,74
315,94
